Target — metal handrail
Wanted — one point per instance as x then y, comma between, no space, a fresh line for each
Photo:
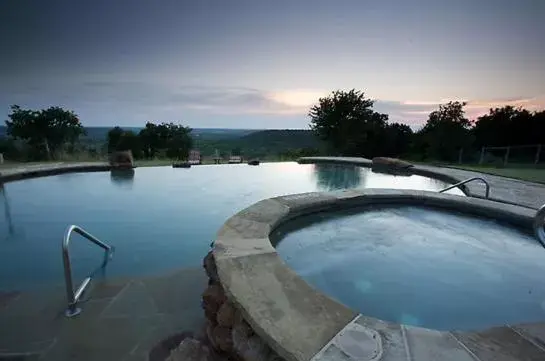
539,225
74,296
487,192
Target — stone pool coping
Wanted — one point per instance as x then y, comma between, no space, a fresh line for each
44,170
300,323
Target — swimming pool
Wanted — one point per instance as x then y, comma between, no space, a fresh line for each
420,266
157,218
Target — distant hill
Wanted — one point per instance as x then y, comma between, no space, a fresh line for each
264,143
100,133
281,139
249,142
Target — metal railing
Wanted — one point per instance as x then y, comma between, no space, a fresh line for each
74,296
539,225
487,191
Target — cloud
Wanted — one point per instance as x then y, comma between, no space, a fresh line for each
476,108
415,113
152,100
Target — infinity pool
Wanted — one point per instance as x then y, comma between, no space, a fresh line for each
158,219
420,266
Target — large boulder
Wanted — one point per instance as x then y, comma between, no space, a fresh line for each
213,297
162,350
255,350
190,350
122,159
222,338
209,265
226,315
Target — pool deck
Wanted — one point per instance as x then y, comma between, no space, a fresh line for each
502,189
121,319
20,172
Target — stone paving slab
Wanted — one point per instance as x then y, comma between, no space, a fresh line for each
393,341
100,339
229,248
501,344
46,169
501,188
292,317
534,332
120,319
430,345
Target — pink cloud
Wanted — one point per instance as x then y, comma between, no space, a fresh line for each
415,113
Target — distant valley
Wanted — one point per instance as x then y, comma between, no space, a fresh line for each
269,143
100,133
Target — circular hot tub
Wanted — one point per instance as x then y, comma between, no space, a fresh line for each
352,275
420,266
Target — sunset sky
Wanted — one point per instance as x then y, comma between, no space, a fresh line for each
261,64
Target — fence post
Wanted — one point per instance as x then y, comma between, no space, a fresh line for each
481,159
506,159
1,158
537,153
460,153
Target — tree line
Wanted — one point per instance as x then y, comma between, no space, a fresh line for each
344,123
165,140
347,122
46,134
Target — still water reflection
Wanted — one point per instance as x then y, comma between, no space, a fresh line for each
122,177
158,218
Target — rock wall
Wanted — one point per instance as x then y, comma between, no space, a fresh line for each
227,331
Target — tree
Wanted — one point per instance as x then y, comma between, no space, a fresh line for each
119,139
113,138
446,131
509,126
347,122
46,130
397,140
179,143
173,139
9,149
130,141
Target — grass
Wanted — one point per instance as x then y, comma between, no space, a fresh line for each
138,163
524,173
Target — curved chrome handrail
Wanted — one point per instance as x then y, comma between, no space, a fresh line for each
539,225
487,190
74,296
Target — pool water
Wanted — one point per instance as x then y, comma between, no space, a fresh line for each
157,218
421,267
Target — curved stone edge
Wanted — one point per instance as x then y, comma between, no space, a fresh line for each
340,160
364,162
293,318
48,170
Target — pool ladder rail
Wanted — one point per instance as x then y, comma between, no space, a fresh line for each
539,225
74,296
457,185
539,219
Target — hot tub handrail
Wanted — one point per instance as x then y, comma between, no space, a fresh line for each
487,185
74,296
539,225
